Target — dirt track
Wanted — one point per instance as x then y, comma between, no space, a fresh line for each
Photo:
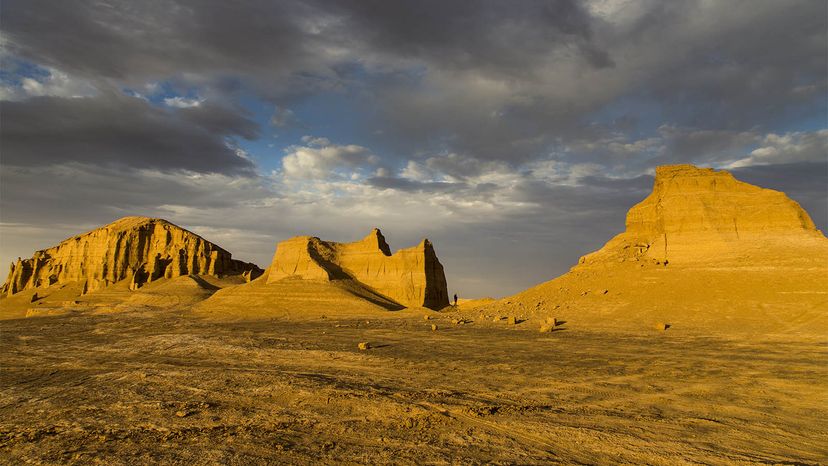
164,386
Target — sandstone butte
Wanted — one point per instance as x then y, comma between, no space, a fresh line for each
702,250
139,250
412,277
311,276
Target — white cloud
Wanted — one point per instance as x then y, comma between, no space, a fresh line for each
787,148
416,171
320,159
182,102
56,84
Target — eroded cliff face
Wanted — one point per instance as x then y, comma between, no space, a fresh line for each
699,214
703,250
412,277
138,249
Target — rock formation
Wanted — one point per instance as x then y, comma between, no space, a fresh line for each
137,249
703,249
412,277
698,214
311,277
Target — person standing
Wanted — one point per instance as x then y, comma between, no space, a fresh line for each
455,299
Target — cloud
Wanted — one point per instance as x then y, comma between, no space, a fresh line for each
182,102
113,129
320,159
282,117
787,148
50,82
486,79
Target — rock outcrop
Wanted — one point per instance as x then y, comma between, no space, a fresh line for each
137,249
699,214
702,250
412,277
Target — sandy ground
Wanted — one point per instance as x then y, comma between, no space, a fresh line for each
140,387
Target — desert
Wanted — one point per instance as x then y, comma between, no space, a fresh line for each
346,353
413,232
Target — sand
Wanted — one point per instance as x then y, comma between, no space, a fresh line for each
165,386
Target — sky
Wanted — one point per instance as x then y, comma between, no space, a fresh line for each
513,135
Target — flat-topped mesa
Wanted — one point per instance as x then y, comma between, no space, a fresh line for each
412,277
696,213
687,199
139,249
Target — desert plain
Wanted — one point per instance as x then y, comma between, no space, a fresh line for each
697,336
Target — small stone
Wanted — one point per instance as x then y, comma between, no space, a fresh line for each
546,328
433,327
364,345
512,320
661,326
426,317
182,413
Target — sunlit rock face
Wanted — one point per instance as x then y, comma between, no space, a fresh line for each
412,277
138,249
702,250
700,215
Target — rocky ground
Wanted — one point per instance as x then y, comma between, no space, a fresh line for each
141,387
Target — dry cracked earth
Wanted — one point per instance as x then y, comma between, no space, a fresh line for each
141,387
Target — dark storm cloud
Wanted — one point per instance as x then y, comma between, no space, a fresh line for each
470,34
113,129
736,64
500,80
92,193
121,39
125,40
